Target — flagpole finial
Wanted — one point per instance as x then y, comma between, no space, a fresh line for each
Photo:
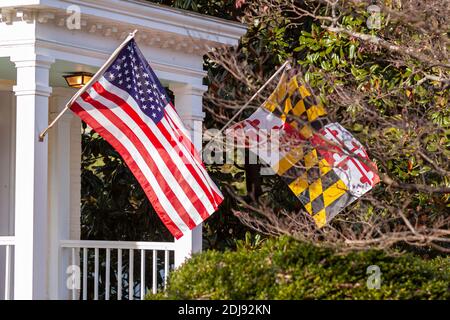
289,64
291,70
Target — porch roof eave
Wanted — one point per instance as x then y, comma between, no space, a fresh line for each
148,16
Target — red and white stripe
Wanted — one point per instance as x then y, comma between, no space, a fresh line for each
161,156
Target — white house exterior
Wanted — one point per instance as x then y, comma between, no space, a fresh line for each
40,41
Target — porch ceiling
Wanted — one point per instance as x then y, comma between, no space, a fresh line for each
62,67
57,70
7,69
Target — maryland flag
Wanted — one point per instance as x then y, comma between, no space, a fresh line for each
322,163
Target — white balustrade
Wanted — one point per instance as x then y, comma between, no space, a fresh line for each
8,244
161,255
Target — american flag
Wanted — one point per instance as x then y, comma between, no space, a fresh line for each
129,108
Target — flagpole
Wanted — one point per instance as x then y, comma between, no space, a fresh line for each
87,85
283,66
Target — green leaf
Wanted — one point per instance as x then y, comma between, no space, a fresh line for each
352,51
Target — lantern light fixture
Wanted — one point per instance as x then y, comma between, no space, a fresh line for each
78,79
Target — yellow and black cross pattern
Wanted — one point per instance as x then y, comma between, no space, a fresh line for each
295,104
318,187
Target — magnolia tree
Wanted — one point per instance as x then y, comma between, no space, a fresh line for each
382,70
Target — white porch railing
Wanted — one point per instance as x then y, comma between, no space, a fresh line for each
122,254
8,244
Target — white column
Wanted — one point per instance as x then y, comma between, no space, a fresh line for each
189,104
59,194
31,219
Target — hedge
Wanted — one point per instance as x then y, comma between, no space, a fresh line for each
286,269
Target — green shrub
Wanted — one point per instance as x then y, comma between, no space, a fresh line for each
286,269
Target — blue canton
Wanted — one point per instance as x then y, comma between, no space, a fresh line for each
132,73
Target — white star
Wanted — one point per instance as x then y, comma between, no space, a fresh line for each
117,67
163,96
146,75
125,65
111,76
139,84
159,109
142,99
126,72
141,91
152,107
120,81
144,107
129,86
154,86
154,115
128,79
147,83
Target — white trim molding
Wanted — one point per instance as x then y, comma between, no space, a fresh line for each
159,26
